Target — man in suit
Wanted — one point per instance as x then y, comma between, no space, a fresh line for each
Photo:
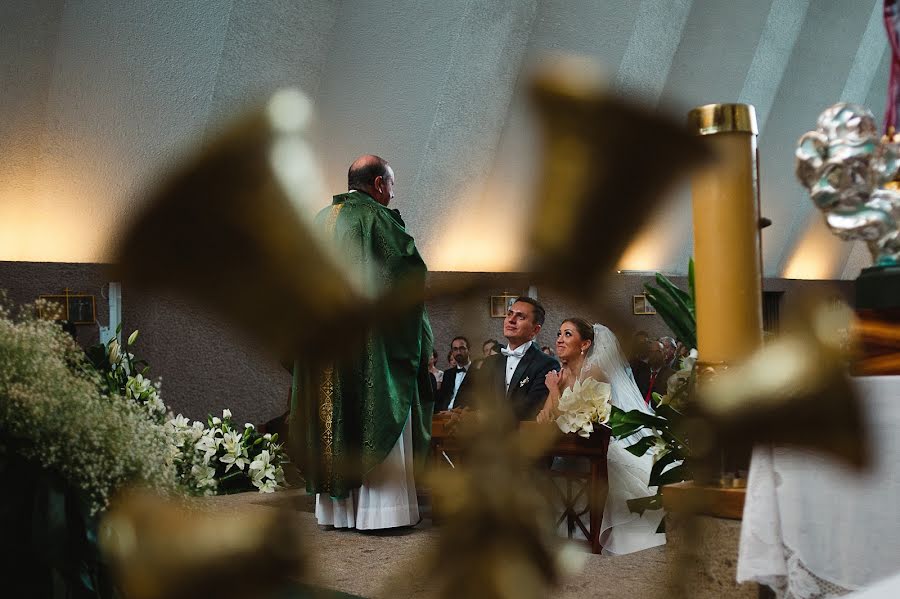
453,377
655,375
516,375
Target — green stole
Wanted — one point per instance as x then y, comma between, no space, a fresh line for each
346,416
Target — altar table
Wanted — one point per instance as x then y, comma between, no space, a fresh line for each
813,528
593,449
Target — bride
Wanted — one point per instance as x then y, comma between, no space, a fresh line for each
587,351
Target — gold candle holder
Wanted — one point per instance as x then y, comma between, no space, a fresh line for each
728,275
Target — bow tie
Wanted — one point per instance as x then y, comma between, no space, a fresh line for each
518,352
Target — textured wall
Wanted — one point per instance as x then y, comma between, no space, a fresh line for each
206,366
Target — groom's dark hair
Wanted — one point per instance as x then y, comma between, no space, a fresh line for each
539,313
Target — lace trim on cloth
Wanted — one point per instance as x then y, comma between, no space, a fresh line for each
800,583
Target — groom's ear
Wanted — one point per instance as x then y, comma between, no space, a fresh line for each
537,329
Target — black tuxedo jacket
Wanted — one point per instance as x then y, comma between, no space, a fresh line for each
527,389
445,393
642,378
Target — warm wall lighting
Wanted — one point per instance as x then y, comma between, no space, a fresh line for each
479,236
53,222
817,255
645,254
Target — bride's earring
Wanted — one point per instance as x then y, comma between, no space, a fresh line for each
582,352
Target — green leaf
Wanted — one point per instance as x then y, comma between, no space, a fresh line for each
691,287
672,290
675,475
677,320
642,504
670,414
641,447
661,463
680,298
624,424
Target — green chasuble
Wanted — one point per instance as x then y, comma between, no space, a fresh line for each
346,416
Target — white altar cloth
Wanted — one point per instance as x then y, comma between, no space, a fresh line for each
812,528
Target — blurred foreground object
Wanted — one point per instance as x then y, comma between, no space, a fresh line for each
727,263
168,550
809,522
231,228
497,542
794,391
851,174
606,165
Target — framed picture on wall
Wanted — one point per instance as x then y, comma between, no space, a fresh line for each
500,305
77,308
641,305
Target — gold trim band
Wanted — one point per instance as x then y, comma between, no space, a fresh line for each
722,118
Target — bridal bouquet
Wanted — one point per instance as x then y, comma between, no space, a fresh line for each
582,406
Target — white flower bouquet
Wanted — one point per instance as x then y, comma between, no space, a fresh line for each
582,406
221,458
208,459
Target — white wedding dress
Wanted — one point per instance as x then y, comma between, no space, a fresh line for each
623,531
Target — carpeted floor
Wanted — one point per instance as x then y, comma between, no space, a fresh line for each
365,563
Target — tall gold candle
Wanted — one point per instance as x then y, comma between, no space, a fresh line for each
727,273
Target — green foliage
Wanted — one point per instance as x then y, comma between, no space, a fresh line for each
675,306
662,430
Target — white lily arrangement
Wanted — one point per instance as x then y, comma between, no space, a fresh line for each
584,405
211,458
221,458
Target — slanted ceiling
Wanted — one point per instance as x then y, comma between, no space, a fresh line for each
98,97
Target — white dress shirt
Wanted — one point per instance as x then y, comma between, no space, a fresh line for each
513,357
460,375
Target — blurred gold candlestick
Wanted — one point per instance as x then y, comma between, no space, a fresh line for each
728,283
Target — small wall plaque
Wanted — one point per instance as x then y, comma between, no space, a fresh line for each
77,308
640,305
500,305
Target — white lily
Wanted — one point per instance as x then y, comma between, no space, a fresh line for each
262,466
226,413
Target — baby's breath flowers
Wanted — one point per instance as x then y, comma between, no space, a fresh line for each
54,412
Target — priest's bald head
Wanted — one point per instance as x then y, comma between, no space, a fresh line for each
372,175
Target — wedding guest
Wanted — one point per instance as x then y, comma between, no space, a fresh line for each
453,377
654,377
491,347
516,376
546,349
437,375
640,347
670,350
681,350
451,363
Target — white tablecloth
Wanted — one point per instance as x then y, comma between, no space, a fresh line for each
812,528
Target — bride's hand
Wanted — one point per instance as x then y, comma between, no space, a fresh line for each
552,380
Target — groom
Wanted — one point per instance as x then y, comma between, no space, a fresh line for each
516,375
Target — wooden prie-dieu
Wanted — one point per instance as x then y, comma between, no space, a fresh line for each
580,493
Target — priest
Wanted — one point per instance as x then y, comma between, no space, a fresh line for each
359,425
